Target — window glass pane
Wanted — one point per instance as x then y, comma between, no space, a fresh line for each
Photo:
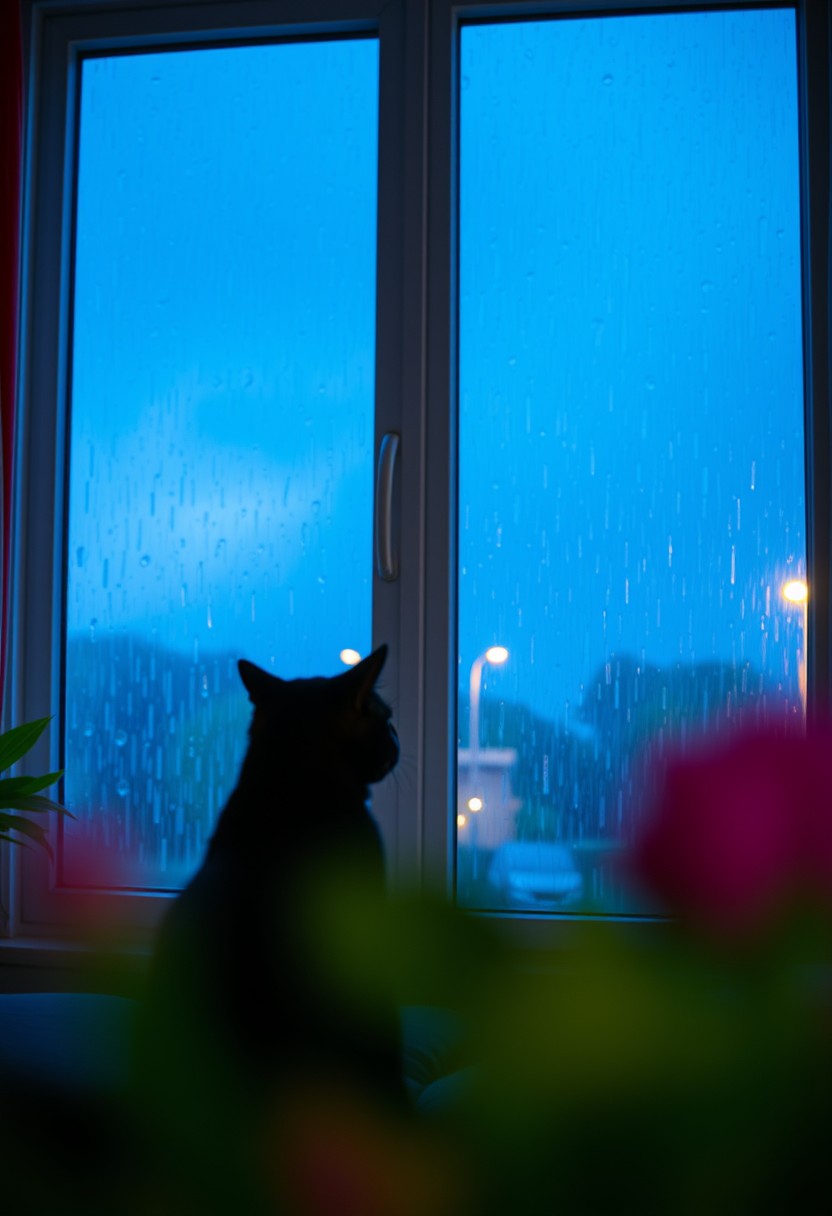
631,424
221,479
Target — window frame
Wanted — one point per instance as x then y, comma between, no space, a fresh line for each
814,57
416,372
59,34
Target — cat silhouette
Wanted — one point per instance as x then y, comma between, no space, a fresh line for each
250,1027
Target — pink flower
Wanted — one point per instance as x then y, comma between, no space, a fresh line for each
742,830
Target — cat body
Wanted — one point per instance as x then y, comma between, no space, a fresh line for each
247,1015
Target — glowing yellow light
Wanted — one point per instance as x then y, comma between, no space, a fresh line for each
795,591
461,821
350,657
496,654
474,805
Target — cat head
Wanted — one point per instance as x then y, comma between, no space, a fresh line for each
339,723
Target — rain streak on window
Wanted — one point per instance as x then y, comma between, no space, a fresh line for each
631,425
221,445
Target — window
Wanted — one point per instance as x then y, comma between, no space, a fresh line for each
220,445
575,264
631,480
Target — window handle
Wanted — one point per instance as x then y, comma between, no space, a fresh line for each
387,561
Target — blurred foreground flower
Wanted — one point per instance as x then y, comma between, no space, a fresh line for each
742,833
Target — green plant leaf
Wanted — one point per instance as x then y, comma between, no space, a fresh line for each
34,802
13,840
21,793
11,787
16,742
33,830
9,822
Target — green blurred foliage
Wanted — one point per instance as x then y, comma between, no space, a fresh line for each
625,1078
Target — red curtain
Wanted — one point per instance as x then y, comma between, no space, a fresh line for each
11,135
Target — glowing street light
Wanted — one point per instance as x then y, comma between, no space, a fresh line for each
796,592
349,657
496,654
475,805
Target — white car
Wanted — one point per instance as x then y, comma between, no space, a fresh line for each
534,876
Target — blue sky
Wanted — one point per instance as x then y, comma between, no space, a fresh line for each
222,439
630,346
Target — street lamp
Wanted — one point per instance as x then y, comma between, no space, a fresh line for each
796,591
349,657
495,655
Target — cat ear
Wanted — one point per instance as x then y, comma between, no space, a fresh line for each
364,675
257,681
